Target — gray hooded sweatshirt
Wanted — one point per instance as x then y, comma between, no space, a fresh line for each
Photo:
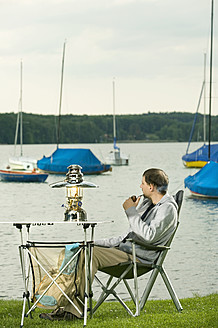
155,229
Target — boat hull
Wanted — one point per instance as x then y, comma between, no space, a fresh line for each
118,162
16,176
106,168
195,194
116,158
199,158
195,164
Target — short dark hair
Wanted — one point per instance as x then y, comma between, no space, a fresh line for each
158,178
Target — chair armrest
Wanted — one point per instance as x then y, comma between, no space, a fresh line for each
148,246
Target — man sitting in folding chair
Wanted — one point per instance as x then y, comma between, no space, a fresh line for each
153,221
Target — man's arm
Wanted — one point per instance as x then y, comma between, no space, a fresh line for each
164,218
115,241
110,242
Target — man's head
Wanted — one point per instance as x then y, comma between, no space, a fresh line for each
155,178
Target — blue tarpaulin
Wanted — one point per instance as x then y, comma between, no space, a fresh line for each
63,157
205,181
201,154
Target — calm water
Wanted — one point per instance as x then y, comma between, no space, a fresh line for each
192,262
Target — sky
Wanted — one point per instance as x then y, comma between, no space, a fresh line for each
153,50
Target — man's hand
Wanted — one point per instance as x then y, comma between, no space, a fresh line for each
129,203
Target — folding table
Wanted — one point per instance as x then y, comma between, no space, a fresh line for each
26,255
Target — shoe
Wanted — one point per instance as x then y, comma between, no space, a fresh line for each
58,314
68,316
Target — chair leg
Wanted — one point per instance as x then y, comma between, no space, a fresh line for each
135,281
90,278
148,288
23,312
106,292
24,264
171,290
129,291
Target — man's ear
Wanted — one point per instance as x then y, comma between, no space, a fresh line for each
151,186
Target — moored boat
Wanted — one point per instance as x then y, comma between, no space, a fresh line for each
61,158
205,182
22,176
20,163
199,158
116,157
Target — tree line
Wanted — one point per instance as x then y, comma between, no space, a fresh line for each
148,127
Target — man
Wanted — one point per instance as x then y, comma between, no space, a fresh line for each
152,221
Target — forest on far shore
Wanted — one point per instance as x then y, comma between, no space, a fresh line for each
148,127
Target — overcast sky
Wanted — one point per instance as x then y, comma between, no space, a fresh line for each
154,49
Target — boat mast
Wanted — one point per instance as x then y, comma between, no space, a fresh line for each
60,102
19,123
21,109
114,121
204,120
210,89
16,131
195,118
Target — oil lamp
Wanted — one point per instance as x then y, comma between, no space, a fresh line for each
74,184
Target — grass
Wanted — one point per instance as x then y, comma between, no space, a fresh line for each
198,312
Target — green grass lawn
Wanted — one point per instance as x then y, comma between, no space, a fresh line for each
198,312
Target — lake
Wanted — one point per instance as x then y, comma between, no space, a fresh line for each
191,263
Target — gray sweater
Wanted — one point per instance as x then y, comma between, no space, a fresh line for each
155,229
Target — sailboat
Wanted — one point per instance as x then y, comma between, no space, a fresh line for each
21,162
20,168
115,156
199,158
205,182
61,158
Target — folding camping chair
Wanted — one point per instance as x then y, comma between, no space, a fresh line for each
51,268
132,270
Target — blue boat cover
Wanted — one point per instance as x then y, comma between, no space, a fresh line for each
201,154
205,181
63,157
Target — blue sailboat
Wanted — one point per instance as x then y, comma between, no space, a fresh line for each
61,158
199,157
205,182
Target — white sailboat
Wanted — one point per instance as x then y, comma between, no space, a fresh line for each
61,158
20,168
21,162
116,157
